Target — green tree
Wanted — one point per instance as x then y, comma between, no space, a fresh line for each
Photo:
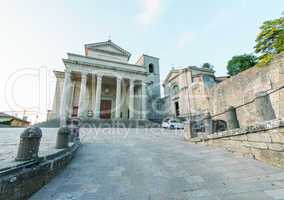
241,63
207,66
270,40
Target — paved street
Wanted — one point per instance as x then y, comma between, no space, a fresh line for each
156,164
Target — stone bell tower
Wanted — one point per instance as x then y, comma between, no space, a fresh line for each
153,85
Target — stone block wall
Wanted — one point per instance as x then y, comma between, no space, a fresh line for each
240,91
264,141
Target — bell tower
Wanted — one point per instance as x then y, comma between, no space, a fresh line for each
153,85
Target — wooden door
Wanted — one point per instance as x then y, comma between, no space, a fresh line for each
105,109
75,111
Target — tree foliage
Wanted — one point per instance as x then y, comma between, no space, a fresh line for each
241,63
270,40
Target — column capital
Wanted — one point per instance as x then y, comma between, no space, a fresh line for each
131,80
68,71
144,83
119,78
84,74
99,76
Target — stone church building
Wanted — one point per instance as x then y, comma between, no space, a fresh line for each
185,91
102,84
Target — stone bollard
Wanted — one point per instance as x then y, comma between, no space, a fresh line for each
208,123
29,144
74,134
232,119
74,125
187,130
263,106
62,138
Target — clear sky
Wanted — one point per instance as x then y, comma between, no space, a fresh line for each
35,35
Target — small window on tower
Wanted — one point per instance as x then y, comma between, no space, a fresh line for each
151,68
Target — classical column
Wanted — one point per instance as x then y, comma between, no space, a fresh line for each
71,99
93,94
123,100
64,98
131,99
144,100
118,96
98,97
82,103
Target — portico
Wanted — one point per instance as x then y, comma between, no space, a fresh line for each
102,96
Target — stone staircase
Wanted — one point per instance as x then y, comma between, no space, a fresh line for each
104,123
111,123
54,123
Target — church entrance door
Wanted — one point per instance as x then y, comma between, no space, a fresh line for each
105,109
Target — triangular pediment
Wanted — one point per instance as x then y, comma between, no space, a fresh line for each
108,47
172,74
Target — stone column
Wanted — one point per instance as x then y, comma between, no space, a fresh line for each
93,94
124,100
82,103
144,100
264,109
64,98
118,98
71,95
232,119
131,99
98,97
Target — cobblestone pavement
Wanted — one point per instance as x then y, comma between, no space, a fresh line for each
156,164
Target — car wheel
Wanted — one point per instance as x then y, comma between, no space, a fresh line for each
172,127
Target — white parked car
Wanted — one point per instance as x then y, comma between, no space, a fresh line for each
172,124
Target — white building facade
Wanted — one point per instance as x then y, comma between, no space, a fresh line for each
102,84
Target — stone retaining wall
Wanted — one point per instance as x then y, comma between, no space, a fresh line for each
264,141
22,181
241,89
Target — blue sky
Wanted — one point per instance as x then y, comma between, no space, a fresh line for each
181,33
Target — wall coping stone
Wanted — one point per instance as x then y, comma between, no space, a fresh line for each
15,181
25,164
263,126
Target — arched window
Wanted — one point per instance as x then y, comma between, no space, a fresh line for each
151,68
175,89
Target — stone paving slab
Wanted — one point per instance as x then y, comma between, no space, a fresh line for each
146,164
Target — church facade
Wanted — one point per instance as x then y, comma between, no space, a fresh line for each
102,84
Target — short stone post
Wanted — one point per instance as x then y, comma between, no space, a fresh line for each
62,138
232,119
29,144
263,106
187,130
208,123
74,130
